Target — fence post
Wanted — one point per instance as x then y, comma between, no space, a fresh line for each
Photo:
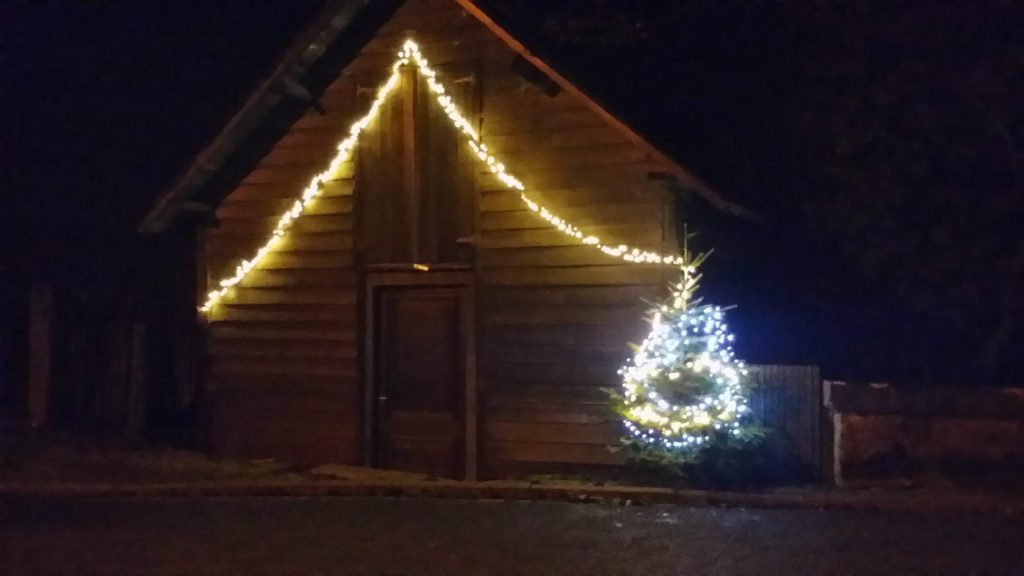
40,354
832,465
137,385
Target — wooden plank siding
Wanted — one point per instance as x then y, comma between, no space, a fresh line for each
282,351
554,318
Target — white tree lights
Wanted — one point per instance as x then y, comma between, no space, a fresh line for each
410,55
684,390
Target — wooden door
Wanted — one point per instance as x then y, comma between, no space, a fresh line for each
420,352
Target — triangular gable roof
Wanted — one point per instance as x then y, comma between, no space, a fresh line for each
410,55
333,40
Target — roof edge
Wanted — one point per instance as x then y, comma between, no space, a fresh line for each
279,85
686,179
283,84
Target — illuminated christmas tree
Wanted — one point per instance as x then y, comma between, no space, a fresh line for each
683,392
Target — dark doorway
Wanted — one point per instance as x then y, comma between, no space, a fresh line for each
420,344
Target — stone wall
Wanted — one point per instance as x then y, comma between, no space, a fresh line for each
934,437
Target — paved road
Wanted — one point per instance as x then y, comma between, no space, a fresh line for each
388,536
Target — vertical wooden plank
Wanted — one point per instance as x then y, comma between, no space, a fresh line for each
40,353
410,161
829,433
470,396
395,235
136,410
464,166
431,214
446,209
369,331
382,231
187,338
200,361
115,383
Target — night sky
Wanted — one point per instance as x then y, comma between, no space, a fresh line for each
880,144
113,99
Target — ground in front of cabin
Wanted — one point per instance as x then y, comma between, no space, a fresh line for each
44,464
43,532
272,536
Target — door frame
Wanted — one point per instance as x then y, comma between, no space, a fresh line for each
375,281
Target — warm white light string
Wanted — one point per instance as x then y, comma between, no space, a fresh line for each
622,251
411,52
311,192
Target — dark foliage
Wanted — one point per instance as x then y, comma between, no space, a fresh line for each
726,465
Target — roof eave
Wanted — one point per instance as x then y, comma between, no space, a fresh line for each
333,20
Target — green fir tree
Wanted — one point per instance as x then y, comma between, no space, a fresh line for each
684,395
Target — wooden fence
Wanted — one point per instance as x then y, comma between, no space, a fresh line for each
82,359
788,401
114,358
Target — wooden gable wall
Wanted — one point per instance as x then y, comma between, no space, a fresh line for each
553,317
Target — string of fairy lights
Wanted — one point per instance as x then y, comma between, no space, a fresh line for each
410,54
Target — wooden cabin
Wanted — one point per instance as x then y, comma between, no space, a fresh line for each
418,315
